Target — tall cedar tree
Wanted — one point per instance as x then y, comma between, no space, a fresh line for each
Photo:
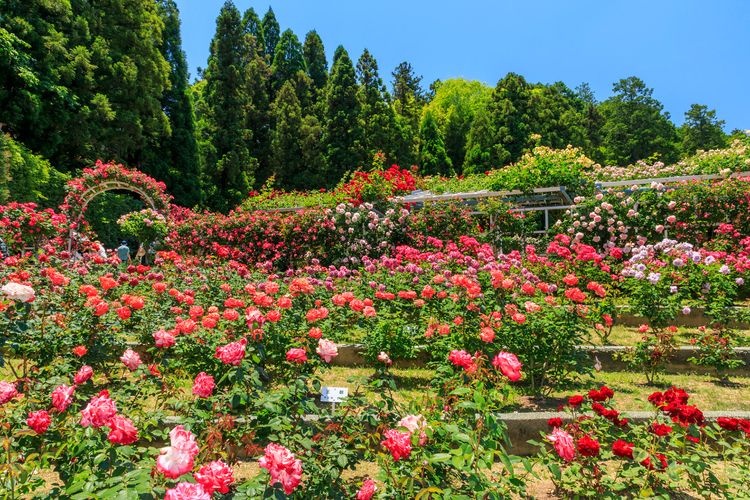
635,127
408,100
286,149
376,115
433,159
287,59
230,167
343,130
557,116
253,26
701,130
257,79
271,33
315,61
176,159
509,111
592,121
479,144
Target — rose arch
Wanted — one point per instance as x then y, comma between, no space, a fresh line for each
110,177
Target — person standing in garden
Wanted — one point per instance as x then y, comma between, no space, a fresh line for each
123,252
4,249
140,254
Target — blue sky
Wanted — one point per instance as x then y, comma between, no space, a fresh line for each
688,51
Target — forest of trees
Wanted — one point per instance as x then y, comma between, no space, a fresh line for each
81,82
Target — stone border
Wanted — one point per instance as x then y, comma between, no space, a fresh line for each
352,355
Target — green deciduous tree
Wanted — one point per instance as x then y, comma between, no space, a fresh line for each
342,126
701,130
635,125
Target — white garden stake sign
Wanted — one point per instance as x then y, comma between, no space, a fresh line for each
333,395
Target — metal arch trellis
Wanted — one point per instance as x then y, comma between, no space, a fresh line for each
102,187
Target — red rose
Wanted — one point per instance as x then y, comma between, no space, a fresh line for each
622,448
575,400
660,429
554,422
588,446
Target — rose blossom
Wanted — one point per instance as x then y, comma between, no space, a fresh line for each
187,491
122,431
163,338
131,359
8,391
62,396
398,443
588,446
39,421
19,292
327,350
367,491
296,355
215,476
99,410
203,385
283,467
622,448
508,364
232,353
384,358
84,373
178,458
563,443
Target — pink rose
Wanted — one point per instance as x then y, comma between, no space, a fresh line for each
296,355
131,359
283,467
415,423
187,491
232,353
398,443
203,386
327,350
215,476
8,391
384,358
122,431
163,338
62,396
462,359
39,421
178,458
367,491
84,373
99,410
508,364
563,443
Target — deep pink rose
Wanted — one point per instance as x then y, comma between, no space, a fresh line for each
187,491
84,373
215,476
122,431
203,386
398,443
232,353
283,467
39,421
563,442
296,355
508,364
8,391
367,491
98,412
62,396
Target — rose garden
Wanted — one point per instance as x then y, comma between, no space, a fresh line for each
197,371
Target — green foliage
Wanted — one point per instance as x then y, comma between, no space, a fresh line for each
286,149
25,176
146,226
288,59
315,60
433,159
271,33
701,130
635,128
342,127
376,115
105,210
510,115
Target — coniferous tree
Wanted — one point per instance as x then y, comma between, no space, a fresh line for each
286,150
271,33
433,159
256,83
312,142
556,115
701,130
509,111
342,127
175,161
592,121
376,115
230,168
635,126
315,61
479,144
287,59
408,99
254,26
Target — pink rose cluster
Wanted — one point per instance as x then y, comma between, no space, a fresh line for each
284,468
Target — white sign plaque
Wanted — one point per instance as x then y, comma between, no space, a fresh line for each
333,394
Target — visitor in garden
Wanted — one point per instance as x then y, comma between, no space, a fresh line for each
123,252
100,249
140,254
4,249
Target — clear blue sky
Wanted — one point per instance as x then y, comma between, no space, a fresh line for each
688,51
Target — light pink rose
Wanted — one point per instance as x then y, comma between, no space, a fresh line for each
163,338
8,391
19,292
187,491
327,350
131,359
62,396
99,410
283,467
563,443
